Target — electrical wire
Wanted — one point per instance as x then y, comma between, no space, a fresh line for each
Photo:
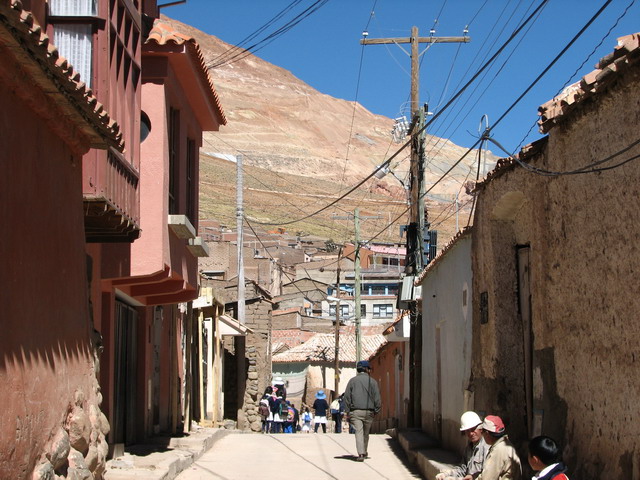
589,168
586,59
427,124
271,37
220,59
488,130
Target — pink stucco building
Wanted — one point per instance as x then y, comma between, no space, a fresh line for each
101,195
50,418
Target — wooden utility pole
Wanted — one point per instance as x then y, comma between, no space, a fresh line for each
240,238
417,170
357,313
414,40
417,213
240,341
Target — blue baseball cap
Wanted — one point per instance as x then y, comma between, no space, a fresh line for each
363,364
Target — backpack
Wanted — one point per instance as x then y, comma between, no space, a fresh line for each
290,415
283,410
335,406
263,410
307,417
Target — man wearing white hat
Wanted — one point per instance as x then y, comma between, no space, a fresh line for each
475,452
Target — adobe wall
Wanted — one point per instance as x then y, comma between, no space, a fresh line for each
583,234
50,417
504,221
593,264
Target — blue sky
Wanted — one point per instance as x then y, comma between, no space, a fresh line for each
324,51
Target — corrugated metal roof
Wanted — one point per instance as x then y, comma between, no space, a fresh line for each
321,348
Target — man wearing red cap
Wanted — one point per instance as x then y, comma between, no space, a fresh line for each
502,462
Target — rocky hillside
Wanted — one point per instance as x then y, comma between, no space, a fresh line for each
282,125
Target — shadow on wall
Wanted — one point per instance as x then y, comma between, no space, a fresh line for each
54,355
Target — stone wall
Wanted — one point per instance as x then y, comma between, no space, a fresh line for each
258,357
582,233
78,447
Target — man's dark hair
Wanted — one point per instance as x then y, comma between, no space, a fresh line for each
545,448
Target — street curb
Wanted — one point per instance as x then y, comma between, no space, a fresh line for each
163,458
424,452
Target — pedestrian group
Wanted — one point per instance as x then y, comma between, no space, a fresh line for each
489,454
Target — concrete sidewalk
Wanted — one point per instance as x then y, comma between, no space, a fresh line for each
424,452
163,458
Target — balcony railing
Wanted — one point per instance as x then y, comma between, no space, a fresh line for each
111,198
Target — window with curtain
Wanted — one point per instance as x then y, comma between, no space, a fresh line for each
72,36
75,43
174,158
72,8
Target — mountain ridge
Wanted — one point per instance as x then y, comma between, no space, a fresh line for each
279,123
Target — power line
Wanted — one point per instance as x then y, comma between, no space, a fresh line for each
427,124
232,51
488,130
589,168
586,59
272,36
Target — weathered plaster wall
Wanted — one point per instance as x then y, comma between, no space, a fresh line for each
50,418
446,344
583,234
388,365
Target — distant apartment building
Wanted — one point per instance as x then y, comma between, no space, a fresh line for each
380,276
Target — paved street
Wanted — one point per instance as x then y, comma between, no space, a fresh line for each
306,456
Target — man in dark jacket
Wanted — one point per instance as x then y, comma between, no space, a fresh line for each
362,402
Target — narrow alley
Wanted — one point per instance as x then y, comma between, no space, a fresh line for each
309,456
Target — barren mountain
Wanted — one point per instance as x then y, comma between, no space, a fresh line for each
280,124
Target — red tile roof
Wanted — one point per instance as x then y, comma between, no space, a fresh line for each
291,337
162,34
22,34
321,349
608,69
